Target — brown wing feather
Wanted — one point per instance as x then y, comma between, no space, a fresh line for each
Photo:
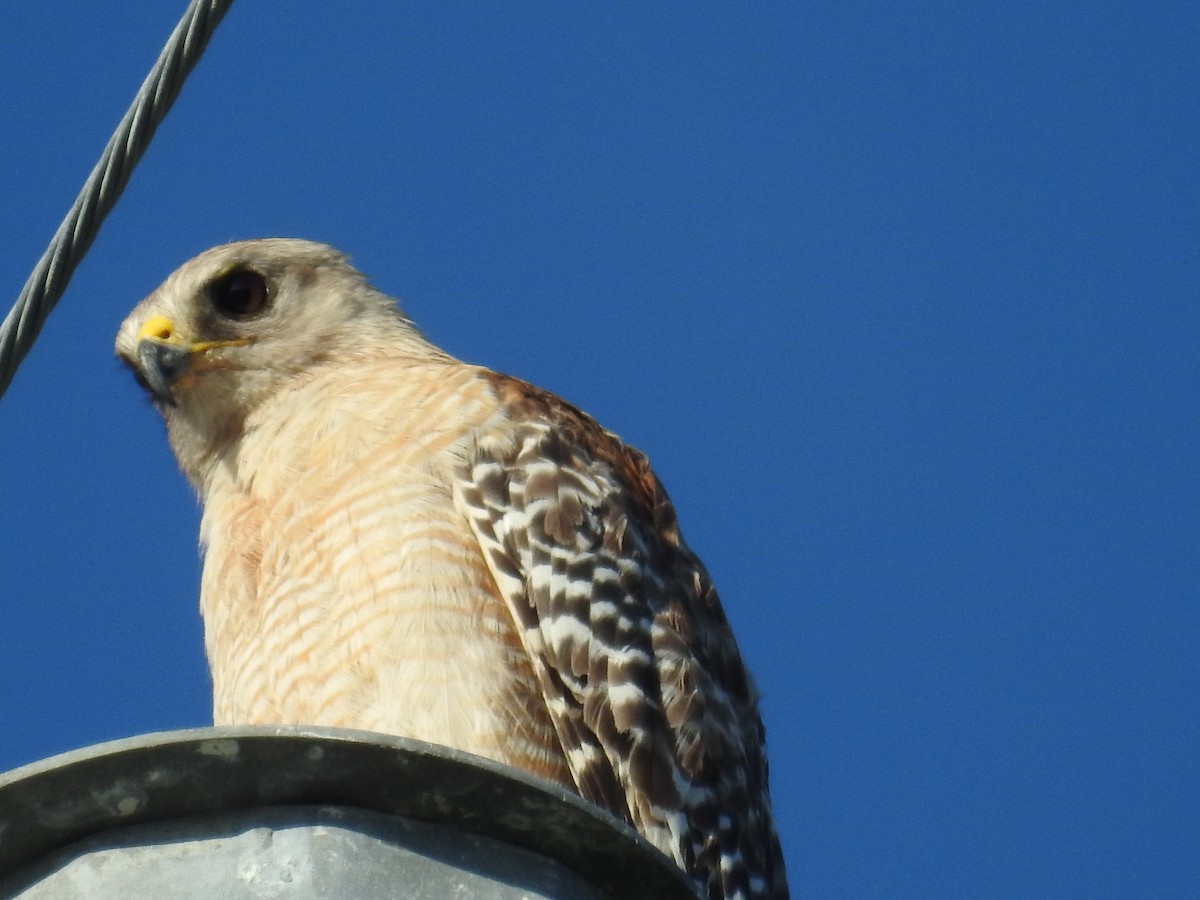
641,674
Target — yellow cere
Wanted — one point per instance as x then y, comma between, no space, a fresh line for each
160,328
157,327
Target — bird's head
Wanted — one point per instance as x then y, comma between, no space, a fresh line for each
241,322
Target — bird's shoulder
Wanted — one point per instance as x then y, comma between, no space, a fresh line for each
539,420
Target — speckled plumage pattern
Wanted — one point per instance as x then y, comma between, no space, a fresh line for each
399,542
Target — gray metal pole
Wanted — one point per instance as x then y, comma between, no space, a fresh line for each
257,812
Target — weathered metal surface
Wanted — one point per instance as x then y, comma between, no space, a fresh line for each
331,853
287,812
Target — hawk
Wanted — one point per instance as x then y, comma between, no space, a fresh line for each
400,542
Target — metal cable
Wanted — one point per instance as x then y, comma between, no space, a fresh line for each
50,276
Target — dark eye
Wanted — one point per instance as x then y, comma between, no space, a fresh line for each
240,294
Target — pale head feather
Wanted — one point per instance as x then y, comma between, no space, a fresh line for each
321,312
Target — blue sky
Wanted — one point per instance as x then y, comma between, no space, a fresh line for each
901,301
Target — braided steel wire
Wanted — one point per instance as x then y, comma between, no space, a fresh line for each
99,194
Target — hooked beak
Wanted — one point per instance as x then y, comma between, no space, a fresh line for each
163,357
161,365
